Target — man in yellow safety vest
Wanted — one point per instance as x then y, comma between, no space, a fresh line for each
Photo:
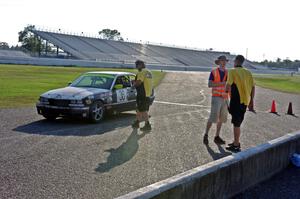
241,85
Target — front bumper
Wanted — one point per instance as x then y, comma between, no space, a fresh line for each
43,109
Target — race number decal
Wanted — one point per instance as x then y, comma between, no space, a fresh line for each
122,95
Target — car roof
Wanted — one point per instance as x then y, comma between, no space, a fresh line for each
110,73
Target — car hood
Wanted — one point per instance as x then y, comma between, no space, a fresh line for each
73,93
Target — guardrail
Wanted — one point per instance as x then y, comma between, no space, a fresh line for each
228,176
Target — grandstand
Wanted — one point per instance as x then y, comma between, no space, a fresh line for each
101,50
92,51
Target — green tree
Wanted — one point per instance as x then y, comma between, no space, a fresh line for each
281,63
4,45
28,40
31,42
110,34
278,60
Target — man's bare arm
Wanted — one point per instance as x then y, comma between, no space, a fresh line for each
251,104
252,93
213,84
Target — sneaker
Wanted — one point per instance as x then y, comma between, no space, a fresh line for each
135,124
147,127
231,144
234,149
219,140
205,139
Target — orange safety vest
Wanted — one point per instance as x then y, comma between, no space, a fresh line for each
220,90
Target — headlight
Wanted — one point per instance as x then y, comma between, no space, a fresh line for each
43,99
88,101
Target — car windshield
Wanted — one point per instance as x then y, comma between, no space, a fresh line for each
103,81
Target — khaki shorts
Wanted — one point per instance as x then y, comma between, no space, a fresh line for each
219,110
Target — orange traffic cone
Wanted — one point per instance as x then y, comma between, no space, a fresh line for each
290,109
273,107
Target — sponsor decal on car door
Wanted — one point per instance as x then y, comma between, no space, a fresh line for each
122,95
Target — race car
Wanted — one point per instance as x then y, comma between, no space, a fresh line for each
91,96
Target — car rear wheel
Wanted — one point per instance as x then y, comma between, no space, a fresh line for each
50,117
97,112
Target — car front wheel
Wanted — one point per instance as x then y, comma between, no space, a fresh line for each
97,112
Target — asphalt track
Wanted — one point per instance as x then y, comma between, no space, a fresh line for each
74,159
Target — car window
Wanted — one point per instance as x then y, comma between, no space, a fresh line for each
126,81
94,81
86,81
122,82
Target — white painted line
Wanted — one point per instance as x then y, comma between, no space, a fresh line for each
189,105
203,95
180,104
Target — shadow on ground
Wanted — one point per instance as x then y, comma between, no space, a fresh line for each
123,153
68,127
217,155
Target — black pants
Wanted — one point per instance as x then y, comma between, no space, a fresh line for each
143,104
237,111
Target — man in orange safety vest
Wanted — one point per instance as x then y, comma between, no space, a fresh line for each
219,100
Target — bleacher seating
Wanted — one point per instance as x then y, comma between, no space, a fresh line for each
13,53
88,48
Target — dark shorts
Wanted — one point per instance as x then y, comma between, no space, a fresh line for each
143,104
237,112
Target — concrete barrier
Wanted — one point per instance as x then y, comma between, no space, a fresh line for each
90,63
228,176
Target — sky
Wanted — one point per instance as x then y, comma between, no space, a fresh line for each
268,29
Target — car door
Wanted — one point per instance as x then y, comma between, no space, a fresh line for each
123,94
132,90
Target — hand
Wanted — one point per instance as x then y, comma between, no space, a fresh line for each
251,106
